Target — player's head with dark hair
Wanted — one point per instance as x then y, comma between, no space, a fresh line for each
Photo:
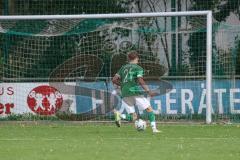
133,57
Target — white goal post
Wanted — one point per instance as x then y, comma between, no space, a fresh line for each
208,14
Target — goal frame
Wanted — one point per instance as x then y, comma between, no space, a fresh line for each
206,13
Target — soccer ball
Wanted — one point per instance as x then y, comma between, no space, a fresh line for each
140,125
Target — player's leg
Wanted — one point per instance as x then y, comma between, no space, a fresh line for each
151,118
128,104
144,104
130,114
117,117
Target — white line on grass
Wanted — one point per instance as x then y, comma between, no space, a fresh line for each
30,139
124,138
180,138
206,138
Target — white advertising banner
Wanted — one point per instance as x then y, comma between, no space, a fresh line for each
35,98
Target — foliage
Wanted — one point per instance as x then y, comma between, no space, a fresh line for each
40,7
238,57
224,8
46,50
221,10
63,47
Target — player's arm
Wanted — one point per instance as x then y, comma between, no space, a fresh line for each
116,83
116,80
140,80
145,86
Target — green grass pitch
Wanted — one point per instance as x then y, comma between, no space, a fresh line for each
61,141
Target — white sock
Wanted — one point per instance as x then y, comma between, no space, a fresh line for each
153,125
123,116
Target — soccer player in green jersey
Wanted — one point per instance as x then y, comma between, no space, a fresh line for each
130,79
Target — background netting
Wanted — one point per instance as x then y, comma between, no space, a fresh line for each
173,48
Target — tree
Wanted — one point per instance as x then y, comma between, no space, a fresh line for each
221,10
51,51
224,10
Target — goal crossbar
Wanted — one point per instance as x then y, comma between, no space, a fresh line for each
100,16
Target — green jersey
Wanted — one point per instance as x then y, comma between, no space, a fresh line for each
129,74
